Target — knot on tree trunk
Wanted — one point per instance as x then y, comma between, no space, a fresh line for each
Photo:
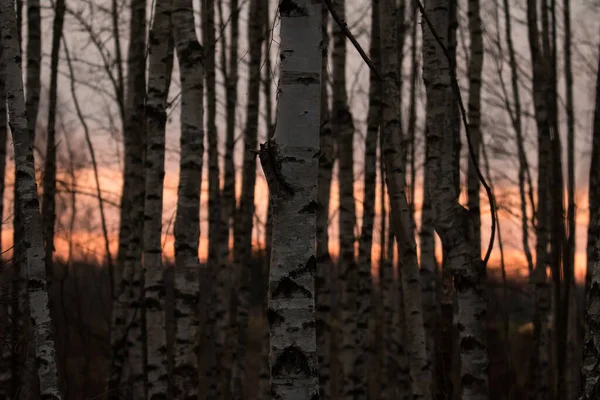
271,161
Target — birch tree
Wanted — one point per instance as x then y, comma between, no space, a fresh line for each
245,213
474,108
6,351
539,374
159,78
29,205
343,127
400,218
187,220
324,276
127,323
290,164
366,237
451,220
590,368
49,183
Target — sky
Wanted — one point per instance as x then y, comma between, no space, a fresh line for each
93,92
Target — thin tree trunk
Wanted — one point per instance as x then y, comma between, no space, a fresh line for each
324,275
291,168
217,267
228,197
243,232
365,282
159,79
27,192
539,367
34,56
590,368
6,278
452,222
187,222
517,126
343,128
571,374
49,183
264,391
475,68
400,217
132,212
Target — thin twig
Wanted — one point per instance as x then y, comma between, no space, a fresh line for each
456,89
344,27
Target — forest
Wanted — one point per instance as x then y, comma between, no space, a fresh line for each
300,199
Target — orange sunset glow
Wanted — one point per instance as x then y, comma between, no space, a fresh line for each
88,242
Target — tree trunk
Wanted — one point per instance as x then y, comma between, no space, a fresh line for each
34,56
474,106
159,79
324,263
590,368
291,167
49,183
130,351
27,192
517,126
343,128
452,222
7,331
243,232
187,222
228,198
365,281
400,217
217,267
540,368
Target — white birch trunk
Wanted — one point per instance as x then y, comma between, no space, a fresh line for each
187,222
400,218
27,192
159,77
452,222
290,163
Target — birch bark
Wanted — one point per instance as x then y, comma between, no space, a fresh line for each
323,280
474,112
452,222
27,192
49,183
244,228
128,351
159,78
539,372
343,128
187,222
400,218
590,368
364,307
6,324
290,162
